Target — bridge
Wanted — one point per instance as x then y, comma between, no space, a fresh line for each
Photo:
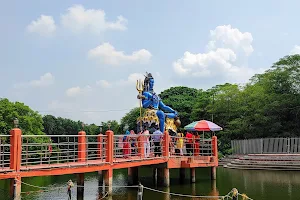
48,155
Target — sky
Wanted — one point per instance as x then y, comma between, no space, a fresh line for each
81,59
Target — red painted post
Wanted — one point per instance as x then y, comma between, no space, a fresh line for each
15,149
166,143
141,150
214,144
81,146
100,146
15,161
109,146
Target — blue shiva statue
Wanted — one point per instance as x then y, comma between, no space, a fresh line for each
151,100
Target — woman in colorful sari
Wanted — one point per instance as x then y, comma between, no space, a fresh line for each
126,144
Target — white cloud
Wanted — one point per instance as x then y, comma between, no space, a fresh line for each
73,91
227,37
132,78
45,80
295,50
103,83
79,19
45,26
76,91
107,54
204,65
223,60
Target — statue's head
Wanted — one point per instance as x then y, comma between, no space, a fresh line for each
148,82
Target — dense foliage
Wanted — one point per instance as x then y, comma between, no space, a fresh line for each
182,99
29,121
267,106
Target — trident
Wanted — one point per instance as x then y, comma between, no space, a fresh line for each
140,88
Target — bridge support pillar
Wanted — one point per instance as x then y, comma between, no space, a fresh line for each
80,186
160,176
133,175
213,173
108,178
100,178
166,177
15,188
193,175
181,175
163,176
167,196
154,176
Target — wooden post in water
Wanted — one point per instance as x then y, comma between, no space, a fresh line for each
80,186
167,195
140,192
193,175
166,178
154,176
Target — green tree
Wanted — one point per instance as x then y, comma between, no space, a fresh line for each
130,119
114,126
181,99
30,121
60,126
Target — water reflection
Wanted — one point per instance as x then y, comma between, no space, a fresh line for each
260,185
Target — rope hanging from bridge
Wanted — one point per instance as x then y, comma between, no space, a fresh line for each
233,194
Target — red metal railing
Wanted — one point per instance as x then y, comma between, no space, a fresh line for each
19,152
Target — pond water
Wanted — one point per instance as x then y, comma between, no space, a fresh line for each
259,185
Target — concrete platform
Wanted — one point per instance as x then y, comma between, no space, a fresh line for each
288,162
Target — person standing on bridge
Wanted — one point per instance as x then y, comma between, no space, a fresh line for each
179,144
133,142
157,137
126,144
189,143
146,143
